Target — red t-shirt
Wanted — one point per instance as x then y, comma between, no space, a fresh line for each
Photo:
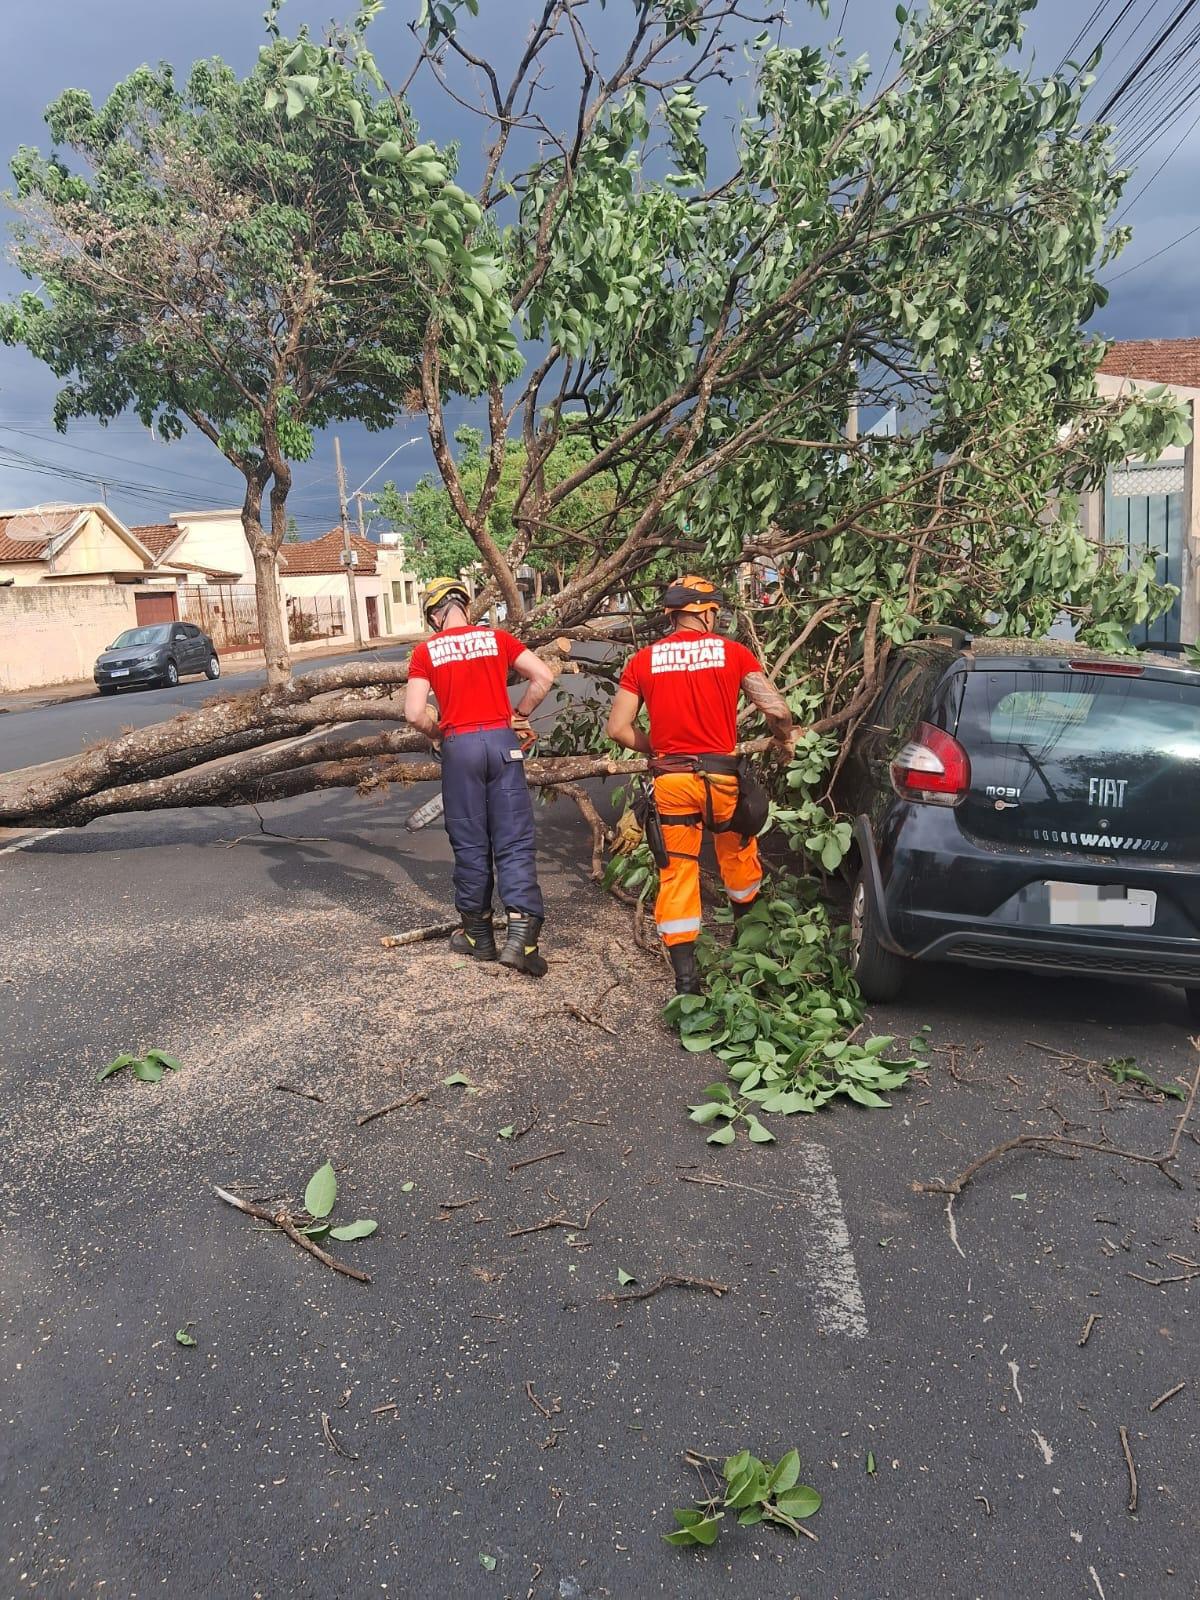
467,669
690,684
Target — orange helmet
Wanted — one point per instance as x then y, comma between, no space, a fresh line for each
691,593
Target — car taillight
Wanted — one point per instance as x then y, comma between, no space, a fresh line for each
932,766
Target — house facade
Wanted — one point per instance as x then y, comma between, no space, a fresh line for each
217,589
72,577
1154,505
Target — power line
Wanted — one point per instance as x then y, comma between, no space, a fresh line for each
1138,265
1145,59
1150,182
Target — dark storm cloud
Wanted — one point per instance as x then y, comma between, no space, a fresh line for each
84,44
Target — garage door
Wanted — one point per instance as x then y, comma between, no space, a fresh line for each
156,605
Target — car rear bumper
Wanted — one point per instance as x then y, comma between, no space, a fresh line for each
919,890
1107,955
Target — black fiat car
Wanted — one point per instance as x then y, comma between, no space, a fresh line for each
1027,804
156,653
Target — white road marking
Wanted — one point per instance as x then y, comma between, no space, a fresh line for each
23,844
838,1302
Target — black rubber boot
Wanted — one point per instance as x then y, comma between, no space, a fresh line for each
742,908
476,938
683,959
520,950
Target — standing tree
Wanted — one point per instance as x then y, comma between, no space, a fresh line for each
438,541
930,239
207,257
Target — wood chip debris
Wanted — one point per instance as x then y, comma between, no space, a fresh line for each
331,1439
1163,1398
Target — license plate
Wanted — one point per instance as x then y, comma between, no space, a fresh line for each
1089,905
119,672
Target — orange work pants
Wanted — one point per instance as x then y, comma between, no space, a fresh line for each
677,909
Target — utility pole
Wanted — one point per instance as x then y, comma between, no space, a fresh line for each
347,547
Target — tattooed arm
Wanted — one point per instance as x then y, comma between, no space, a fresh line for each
763,697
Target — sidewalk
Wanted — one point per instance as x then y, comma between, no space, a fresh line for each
232,662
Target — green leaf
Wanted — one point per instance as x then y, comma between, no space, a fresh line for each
506,1133
321,1192
723,1135
147,1071
865,1097
183,1337
457,1080
407,1188
706,1111
786,1473
488,1563
624,1277
319,1230
362,1229
736,1465
115,1066
706,1531
800,1502
744,1488
758,1134
870,1462
696,1042
750,1516
164,1059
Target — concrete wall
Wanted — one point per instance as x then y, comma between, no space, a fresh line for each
334,584
214,539
52,633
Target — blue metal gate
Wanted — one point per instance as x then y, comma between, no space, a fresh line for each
1143,510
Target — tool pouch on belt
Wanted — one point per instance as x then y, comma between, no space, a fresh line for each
753,804
749,815
645,810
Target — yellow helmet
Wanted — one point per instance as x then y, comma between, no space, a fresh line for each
444,591
691,593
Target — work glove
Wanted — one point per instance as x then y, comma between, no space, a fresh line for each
628,835
523,729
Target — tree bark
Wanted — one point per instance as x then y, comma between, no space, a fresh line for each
270,611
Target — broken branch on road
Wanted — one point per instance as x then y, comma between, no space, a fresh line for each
396,1105
1062,1144
560,1221
669,1280
285,1224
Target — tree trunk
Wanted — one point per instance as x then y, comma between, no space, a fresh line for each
270,613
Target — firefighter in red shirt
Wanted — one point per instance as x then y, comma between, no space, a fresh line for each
690,682
488,812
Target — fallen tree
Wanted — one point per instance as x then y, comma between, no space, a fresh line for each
701,347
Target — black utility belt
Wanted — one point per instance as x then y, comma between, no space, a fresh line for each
722,766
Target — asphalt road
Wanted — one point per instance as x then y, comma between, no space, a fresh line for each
485,1400
28,738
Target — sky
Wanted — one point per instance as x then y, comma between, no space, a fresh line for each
51,45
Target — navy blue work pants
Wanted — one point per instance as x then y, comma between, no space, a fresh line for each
489,817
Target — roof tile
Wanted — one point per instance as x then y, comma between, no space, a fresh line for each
1173,361
157,536
319,556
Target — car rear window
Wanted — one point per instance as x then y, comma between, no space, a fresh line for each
1122,714
1085,760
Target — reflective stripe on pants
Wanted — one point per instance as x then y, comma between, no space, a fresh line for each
489,817
677,909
